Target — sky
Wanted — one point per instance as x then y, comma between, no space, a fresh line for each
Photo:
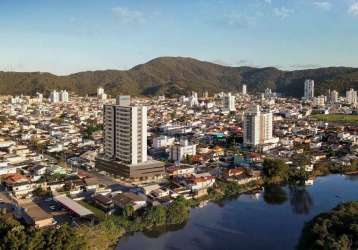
68,36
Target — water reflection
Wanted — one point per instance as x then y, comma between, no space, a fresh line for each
300,199
241,224
158,231
275,194
352,177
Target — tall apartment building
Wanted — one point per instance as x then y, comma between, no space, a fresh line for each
54,96
229,102
100,94
257,127
244,89
334,96
63,96
309,90
351,96
125,132
125,141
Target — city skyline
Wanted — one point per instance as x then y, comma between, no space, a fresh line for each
66,37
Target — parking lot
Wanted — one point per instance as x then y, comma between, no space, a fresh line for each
52,207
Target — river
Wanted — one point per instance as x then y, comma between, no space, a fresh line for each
270,220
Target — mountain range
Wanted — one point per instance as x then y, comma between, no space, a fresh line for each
174,76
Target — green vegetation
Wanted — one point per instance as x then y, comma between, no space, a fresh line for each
336,118
91,128
228,189
104,235
275,171
40,192
97,212
325,168
336,230
14,235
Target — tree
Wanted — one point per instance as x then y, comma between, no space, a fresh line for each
178,211
275,171
156,216
336,230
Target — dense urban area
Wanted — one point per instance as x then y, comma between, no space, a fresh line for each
79,172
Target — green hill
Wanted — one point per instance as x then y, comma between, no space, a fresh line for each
178,75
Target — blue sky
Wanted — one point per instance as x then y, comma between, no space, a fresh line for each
66,36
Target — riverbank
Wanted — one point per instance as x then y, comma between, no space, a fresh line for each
269,220
177,213
111,228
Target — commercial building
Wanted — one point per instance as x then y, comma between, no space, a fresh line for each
258,127
179,151
35,215
309,90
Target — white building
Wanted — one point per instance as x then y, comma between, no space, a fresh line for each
334,96
179,151
309,90
125,132
257,127
351,96
319,101
244,89
39,97
64,97
193,100
100,91
54,96
229,102
163,141
100,94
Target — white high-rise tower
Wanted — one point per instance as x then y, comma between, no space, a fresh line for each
125,132
334,96
351,96
229,102
64,97
54,96
257,127
309,90
244,89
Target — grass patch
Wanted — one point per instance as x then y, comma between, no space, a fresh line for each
97,212
336,118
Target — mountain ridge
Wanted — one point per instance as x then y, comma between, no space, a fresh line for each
179,75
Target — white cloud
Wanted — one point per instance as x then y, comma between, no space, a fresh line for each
323,5
353,9
236,19
268,1
128,16
282,12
